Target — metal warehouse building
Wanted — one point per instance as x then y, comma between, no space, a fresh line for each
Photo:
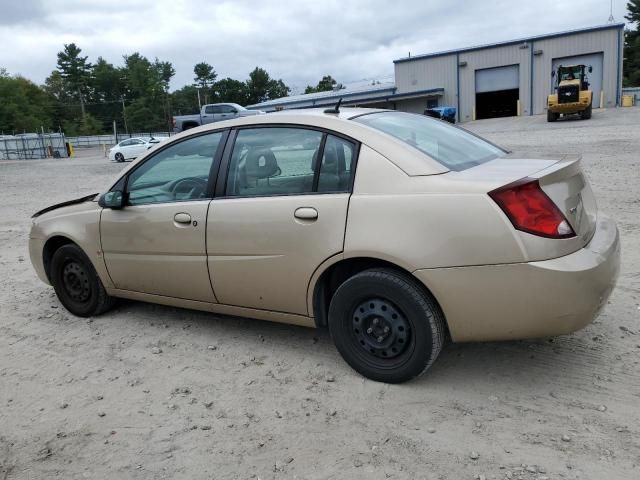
514,77
501,79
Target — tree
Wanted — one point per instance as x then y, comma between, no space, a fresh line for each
185,101
631,69
85,125
138,76
277,89
261,87
205,78
108,88
164,73
75,70
205,75
25,107
327,84
147,91
231,91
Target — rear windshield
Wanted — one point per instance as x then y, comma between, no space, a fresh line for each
451,146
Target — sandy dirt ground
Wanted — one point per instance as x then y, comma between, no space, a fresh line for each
154,392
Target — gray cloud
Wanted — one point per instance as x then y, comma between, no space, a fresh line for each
296,41
19,12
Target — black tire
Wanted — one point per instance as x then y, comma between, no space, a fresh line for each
77,284
119,157
551,116
386,326
586,113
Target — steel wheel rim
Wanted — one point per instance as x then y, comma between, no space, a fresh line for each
75,281
381,330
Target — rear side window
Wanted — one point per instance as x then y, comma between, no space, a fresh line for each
273,161
336,168
451,146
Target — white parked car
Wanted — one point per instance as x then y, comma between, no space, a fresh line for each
132,148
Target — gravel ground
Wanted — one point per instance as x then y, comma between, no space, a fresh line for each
154,392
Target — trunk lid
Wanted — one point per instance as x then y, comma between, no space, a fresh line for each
562,180
567,186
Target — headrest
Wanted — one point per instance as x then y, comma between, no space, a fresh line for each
261,163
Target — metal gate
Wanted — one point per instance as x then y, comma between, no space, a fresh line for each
32,146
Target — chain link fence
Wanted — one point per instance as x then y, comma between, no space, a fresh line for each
99,140
32,146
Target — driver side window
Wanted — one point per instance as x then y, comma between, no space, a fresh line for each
177,173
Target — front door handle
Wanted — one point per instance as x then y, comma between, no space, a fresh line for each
306,213
182,218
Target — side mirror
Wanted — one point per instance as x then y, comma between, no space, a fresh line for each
113,200
590,69
553,73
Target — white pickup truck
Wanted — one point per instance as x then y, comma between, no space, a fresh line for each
214,112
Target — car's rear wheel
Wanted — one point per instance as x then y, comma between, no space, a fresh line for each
77,284
119,157
385,325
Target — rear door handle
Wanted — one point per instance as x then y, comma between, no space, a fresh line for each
182,218
306,213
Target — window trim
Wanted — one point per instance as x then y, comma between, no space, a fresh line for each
123,182
223,172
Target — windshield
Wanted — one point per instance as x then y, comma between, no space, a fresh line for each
451,146
570,73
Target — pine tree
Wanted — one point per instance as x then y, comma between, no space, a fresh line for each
631,69
75,71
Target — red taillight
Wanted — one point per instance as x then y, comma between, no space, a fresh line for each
531,210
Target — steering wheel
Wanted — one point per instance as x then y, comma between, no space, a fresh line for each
189,187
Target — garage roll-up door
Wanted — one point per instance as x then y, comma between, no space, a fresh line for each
496,79
595,77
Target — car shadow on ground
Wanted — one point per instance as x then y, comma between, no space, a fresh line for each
514,365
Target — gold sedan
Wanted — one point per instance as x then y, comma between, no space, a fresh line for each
391,229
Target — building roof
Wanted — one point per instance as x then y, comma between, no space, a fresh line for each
331,94
373,94
512,42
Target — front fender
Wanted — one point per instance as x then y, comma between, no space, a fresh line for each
79,223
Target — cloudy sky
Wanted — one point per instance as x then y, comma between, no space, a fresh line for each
296,40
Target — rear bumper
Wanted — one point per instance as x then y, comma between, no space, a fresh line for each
527,300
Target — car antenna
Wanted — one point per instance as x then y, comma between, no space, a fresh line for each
335,110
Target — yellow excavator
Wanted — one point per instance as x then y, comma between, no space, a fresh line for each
572,93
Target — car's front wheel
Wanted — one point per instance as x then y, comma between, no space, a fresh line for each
385,325
119,157
77,284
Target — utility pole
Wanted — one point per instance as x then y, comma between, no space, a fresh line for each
124,115
199,106
81,102
611,19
